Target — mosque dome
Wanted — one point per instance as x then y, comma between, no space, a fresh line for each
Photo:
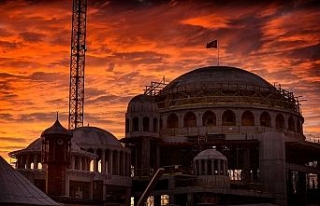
142,103
211,154
94,137
215,77
35,145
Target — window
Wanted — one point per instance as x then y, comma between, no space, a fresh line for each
247,119
145,124
228,118
265,119
135,124
155,125
291,125
172,121
279,121
190,120
209,119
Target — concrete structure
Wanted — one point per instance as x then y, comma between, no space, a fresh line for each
226,136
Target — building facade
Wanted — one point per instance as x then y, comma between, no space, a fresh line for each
224,136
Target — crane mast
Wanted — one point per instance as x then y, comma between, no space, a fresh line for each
77,63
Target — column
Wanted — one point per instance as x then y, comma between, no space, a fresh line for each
219,167
212,167
80,163
103,161
206,167
35,162
118,163
200,167
95,162
110,162
124,157
73,162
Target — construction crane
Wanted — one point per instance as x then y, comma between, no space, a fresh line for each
77,63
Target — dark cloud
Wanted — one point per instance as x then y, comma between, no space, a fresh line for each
13,139
308,53
8,45
47,77
32,37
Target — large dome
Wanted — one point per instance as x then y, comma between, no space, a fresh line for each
94,137
216,77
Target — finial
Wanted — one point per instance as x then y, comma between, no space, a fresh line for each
57,115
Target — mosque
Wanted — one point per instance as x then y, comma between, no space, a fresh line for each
220,134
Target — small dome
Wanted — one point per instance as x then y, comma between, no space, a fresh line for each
210,154
56,129
142,103
93,136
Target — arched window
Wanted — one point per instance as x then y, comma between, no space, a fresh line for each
209,119
265,119
279,121
39,166
172,121
155,125
145,124
291,124
190,120
135,124
127,125
228,118
299,126
247,119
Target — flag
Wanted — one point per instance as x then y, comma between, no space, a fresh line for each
212,44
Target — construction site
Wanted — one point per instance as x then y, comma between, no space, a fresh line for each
217,135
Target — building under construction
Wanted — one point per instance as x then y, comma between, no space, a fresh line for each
220,136
224,136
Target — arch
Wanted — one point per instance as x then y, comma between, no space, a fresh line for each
247,118
135,124
279,121
228,118
32,166
190,120
91,166
209,119
299,126
291,124
39,166
99,166
155,125
172,121
127,125
145,124
265,119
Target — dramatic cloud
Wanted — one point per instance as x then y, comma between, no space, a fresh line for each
133,42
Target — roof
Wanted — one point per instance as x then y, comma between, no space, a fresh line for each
17,190
93,137
142,103
217,75
56,128
211,154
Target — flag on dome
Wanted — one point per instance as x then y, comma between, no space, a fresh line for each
212,44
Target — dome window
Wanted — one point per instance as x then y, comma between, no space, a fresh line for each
145,124
247,119
291,125
155,125
135,124
172,121
299,126
190,120
265,119
279,121
209,119
228,118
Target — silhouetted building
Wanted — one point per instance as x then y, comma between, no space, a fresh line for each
225,136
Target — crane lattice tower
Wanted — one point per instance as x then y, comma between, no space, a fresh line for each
77,64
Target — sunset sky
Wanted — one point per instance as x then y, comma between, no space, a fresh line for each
133,42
